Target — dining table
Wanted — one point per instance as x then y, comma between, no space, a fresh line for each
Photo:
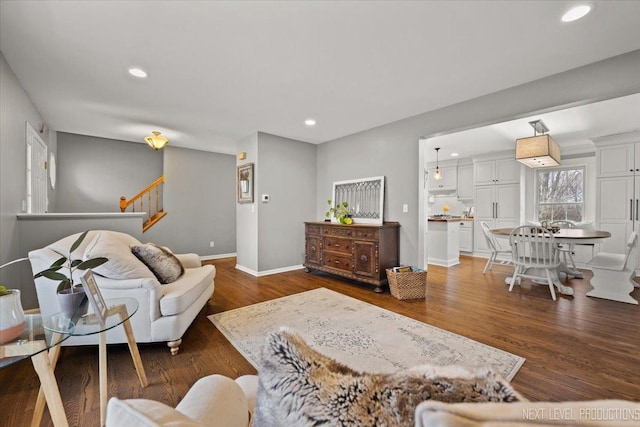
576,236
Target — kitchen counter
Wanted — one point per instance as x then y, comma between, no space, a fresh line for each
450,219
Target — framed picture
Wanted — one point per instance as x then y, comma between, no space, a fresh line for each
244,178
94,296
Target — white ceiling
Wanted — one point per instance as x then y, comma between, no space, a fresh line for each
571,128
221,70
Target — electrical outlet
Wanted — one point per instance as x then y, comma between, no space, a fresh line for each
211,244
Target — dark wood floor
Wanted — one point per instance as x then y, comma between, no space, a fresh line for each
577,348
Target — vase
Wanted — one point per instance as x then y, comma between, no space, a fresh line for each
11,316
73,303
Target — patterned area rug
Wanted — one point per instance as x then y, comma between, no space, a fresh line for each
358,334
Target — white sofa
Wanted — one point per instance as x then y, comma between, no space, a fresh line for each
165,311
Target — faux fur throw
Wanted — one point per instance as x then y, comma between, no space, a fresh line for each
162,263
300,387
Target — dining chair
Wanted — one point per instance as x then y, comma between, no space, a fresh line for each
567,250
534,249
494,246
613,274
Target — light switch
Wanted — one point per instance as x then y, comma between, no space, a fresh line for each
405,208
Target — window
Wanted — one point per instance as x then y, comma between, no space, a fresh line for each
560,194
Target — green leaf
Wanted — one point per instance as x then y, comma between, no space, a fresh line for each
92,263
59,262
77,242
76,262
52,275
65,284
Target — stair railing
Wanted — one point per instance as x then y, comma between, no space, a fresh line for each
149,200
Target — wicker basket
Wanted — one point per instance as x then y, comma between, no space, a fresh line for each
408,285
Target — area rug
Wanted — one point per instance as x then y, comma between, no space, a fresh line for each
361,335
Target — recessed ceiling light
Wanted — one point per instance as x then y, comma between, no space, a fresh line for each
310,122
576,13
137,72
454,154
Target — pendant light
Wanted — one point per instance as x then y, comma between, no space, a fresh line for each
156,141
539,150
437,175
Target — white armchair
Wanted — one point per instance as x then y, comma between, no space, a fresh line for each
165,311
213,401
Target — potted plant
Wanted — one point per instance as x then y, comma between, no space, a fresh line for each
11,315
340,212
70,295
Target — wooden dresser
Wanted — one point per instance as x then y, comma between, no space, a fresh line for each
359,252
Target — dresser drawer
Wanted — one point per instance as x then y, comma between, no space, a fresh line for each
312,229
338,231
366,234
338,244
338,262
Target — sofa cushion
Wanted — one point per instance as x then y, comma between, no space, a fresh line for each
299,386
179,295
122,263
162,263
146,413
525,414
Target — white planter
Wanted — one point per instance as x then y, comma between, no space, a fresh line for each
11,316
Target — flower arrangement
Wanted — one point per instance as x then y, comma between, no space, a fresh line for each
340,212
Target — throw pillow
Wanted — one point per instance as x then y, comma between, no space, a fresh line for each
162,263
122,263
299,386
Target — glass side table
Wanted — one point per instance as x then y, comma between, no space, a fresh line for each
41,334
119,312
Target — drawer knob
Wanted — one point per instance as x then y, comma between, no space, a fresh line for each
313,248
337,262
364,258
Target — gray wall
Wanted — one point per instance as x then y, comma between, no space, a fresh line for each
94,172
199,197
16,109
246,213
392,150
288,175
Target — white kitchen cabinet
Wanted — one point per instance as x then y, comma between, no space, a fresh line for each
449,181
466,236
617,160
499,207
618,190
465,182
501,171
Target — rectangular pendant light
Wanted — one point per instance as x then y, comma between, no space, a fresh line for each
538,151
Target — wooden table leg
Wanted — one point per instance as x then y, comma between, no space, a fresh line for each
41,402
102,356
133,348
49,385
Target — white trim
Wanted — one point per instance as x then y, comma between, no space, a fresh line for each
268,272
218,256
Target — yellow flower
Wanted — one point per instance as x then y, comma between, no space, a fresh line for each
445,208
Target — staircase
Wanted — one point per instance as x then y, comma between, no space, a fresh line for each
148,200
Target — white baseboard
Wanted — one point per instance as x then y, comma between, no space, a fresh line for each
210,257
268,272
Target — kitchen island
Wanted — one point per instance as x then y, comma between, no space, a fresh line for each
444,240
